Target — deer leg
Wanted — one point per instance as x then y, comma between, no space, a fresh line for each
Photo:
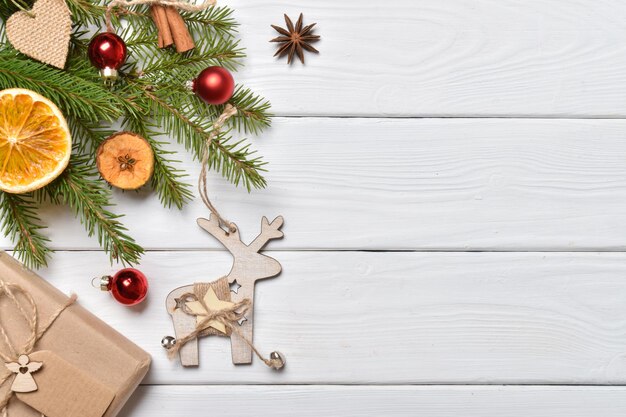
184,324
240,349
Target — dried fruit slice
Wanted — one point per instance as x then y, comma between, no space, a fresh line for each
125,160
35,143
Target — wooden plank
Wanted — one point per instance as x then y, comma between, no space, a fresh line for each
392,318
426,184
443,58
375,401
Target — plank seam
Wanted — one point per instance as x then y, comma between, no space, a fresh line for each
326,250
453,117
433,385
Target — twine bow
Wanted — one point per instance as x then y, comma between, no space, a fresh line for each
29,313
229,317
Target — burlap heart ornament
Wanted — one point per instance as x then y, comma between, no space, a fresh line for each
43,33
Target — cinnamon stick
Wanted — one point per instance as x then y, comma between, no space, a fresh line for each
179,31
160,19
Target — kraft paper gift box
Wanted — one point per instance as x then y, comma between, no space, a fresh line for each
88,369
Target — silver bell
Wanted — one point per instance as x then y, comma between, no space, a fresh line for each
279,360
168,342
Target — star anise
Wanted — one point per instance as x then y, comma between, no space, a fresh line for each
295,40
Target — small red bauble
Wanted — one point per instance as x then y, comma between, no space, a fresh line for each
107,52
214,85
128,286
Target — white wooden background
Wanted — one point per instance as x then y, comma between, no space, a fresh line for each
453,179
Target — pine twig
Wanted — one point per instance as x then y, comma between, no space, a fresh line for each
166,179
73,92
22,225
237,162
253,114
85,11
218,19
234,161
90,200
87,136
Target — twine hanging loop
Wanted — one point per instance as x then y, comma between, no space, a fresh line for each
229,111
178,4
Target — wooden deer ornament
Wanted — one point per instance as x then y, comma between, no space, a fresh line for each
249,266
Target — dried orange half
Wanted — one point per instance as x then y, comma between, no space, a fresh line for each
35,142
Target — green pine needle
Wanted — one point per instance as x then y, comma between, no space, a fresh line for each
22,225
73,92
253,111
90,200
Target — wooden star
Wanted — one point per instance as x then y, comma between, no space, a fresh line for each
213,304
234,287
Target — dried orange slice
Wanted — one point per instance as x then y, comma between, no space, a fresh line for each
35,143
125,160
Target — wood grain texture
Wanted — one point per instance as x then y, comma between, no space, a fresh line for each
392,318
394,184
426,184
443,58
376,401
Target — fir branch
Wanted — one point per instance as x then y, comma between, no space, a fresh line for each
150,98
237,162
87,136
90,200
21,224
215,21
7,8
253,114
219,19
166,179
165,63
86,12
234,161
73,93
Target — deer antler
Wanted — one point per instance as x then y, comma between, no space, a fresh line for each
268,231
212,225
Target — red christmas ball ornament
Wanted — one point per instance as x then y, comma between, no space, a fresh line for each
107,52
214,85
128,286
